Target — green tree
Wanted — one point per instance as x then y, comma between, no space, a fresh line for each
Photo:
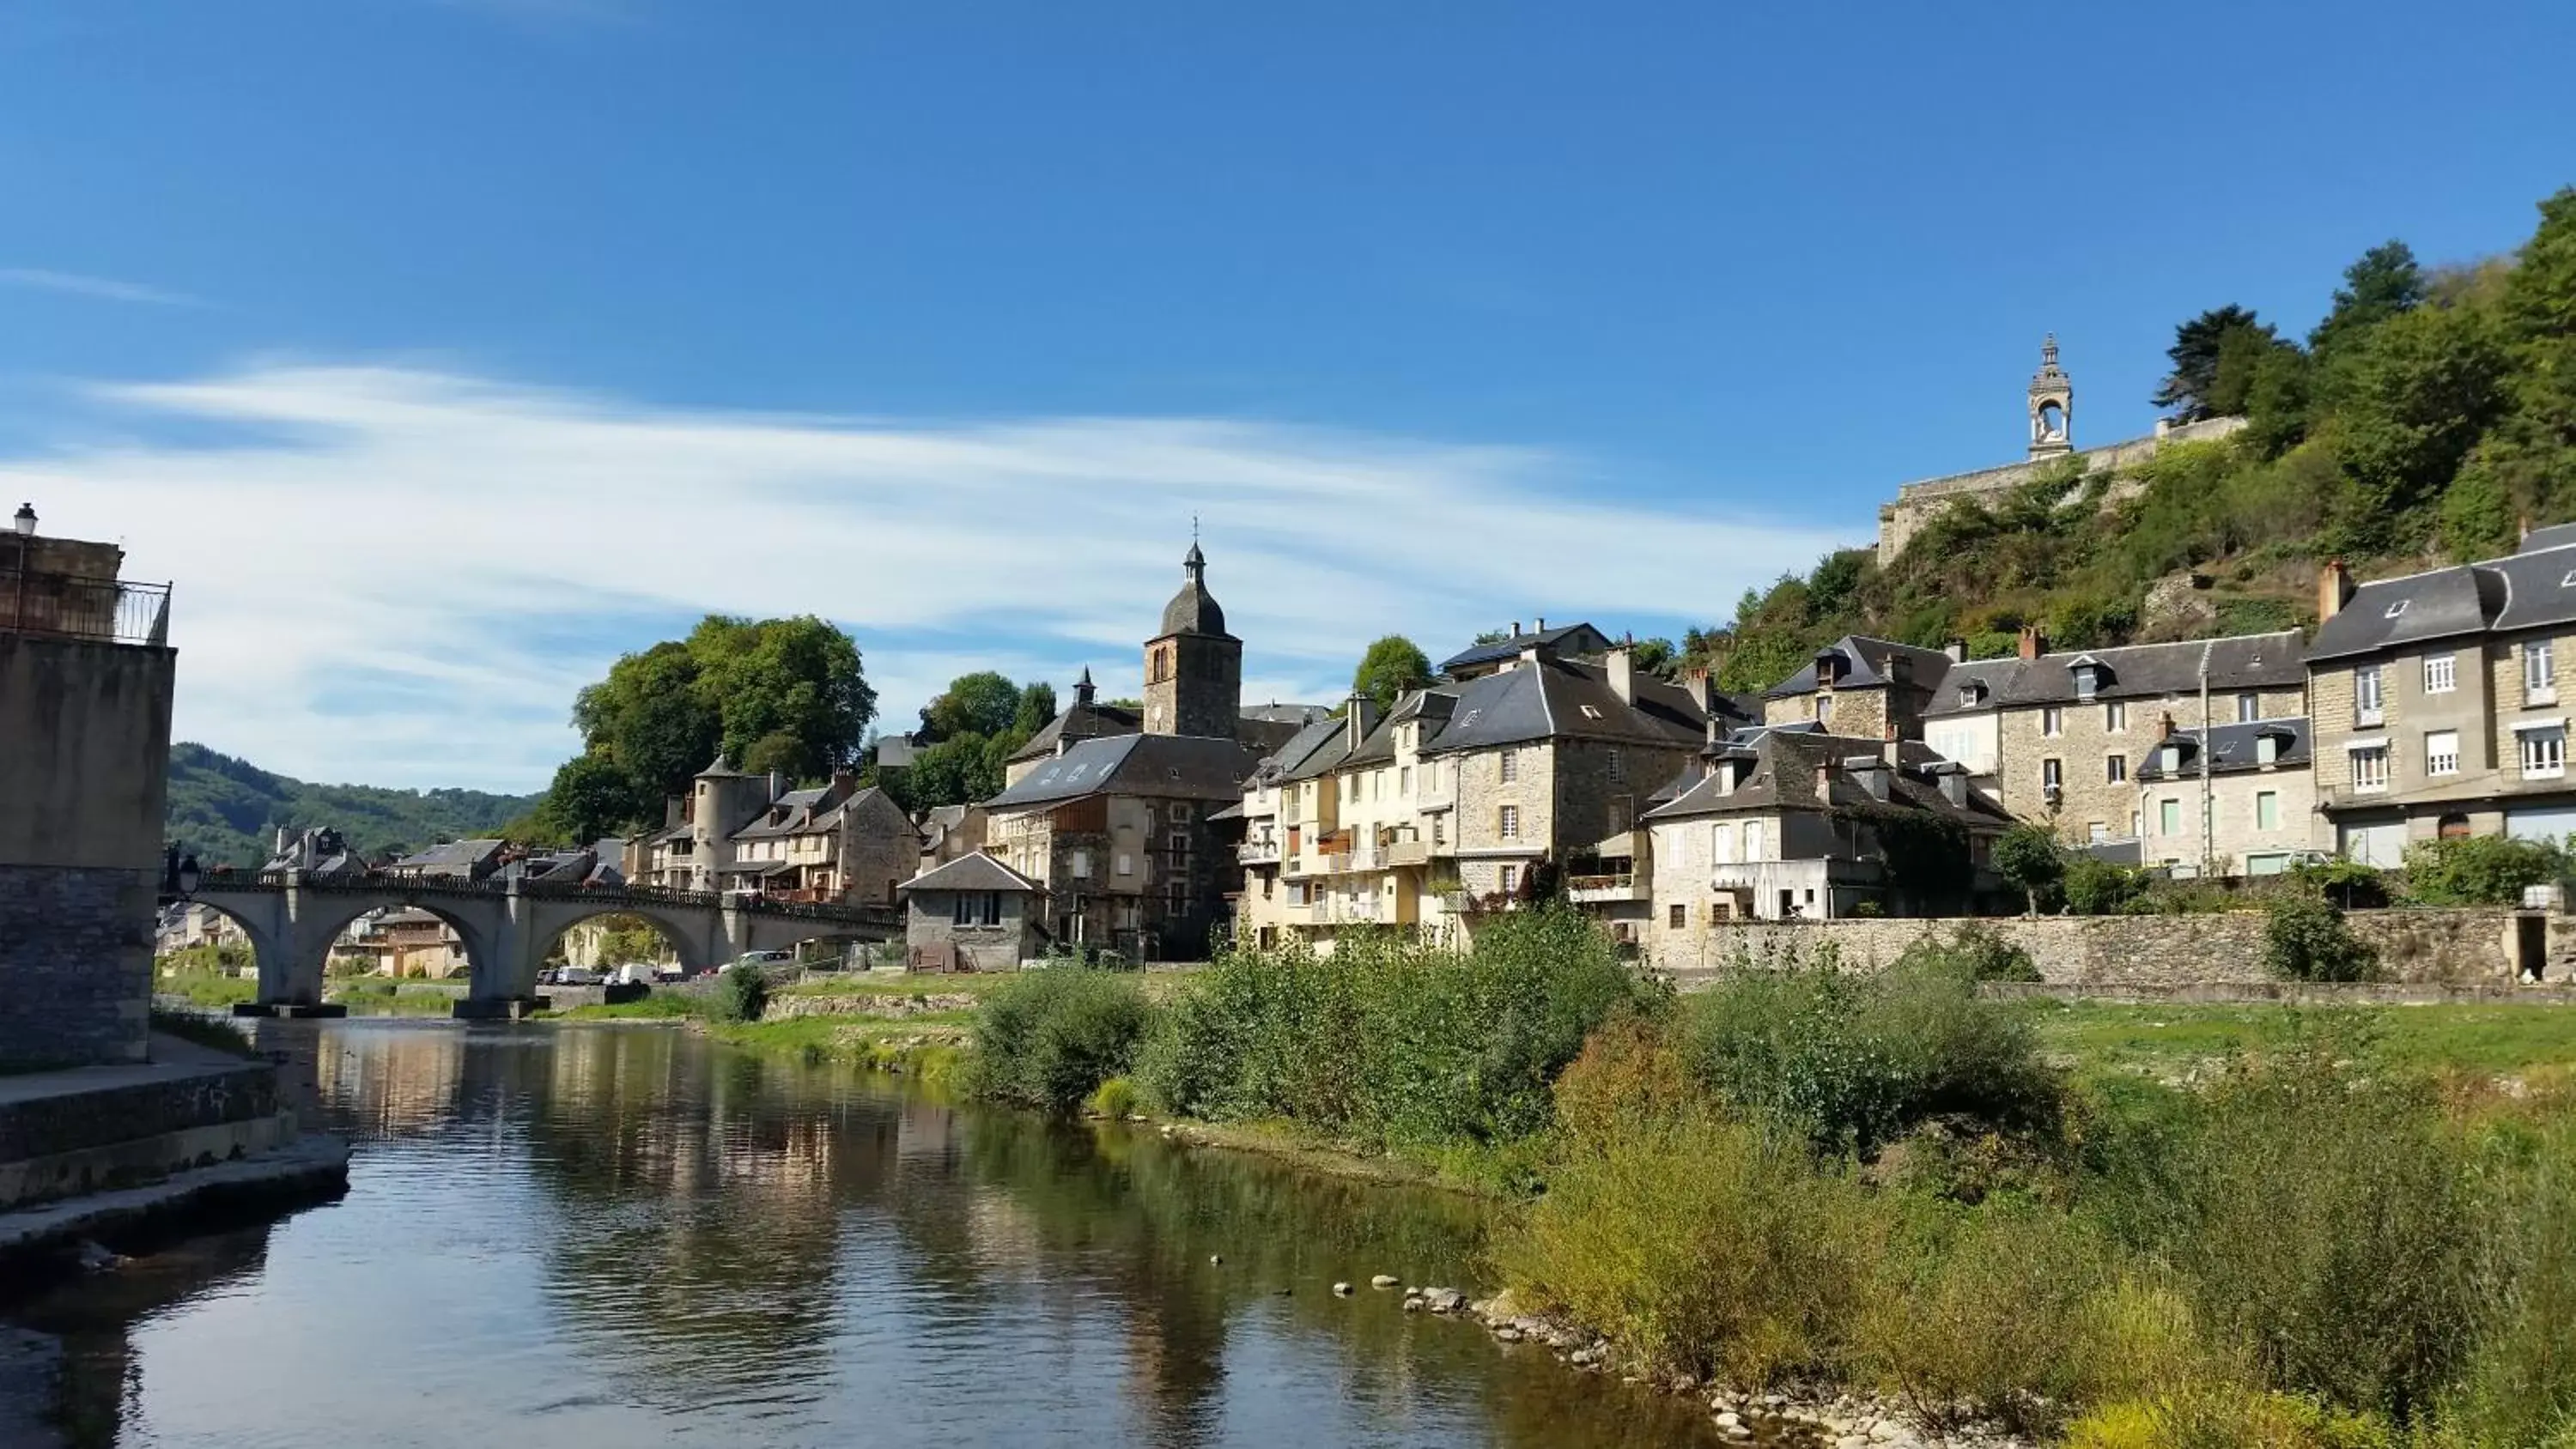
1657,657
793,688
1391,666
1037,708
2242,354
652,718
2411,400
2383,283
2195,356
2481,870
591,798
2029,857
982,703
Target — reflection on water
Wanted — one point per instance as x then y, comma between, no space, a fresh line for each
617,1237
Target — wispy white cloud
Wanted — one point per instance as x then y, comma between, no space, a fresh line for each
105,289
400,576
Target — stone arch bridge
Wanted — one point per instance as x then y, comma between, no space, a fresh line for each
508,929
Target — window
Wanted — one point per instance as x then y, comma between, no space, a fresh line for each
2397,608
1680,916
1967,695
2115,769
2544,753
2249,708
1511,879
1511,766
1126,863
2115,717
2087,680
2365,695
1618,764
2052,774
2441,673
1404,781
2539,673
1510,822
1721,843
1180,813
2052,721
1824,708
2442,752
2370,767
2169,817
1350,788
2095,832
1752,840
2267,810
1081,861
977,909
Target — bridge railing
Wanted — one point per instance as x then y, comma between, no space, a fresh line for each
415,887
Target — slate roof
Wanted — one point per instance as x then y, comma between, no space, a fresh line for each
457,857
1784,778
795,813
2132,671
896,752
1194,610
974,871
1866,664
1564,699
1180,767
723,767
1564,639
1079,721
2413,609
1290,761
2556,535
2233,748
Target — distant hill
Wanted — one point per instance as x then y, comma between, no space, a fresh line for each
227,811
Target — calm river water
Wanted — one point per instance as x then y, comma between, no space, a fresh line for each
625,1237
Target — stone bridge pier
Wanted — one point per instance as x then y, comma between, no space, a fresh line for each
506,935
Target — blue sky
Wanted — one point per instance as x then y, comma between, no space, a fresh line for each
441,349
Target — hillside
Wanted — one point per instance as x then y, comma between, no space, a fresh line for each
2428,416
227,811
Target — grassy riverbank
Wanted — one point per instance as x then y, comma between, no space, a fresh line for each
2108,1226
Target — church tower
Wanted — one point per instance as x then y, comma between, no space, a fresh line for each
2052,406
1193,669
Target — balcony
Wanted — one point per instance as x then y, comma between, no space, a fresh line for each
1257,852
1587,890
1408,852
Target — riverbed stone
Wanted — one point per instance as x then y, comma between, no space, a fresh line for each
1384,1280
1341,1290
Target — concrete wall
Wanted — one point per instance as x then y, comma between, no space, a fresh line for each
2448,947
84,765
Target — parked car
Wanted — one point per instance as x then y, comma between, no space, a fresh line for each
667,975
765,958
577,976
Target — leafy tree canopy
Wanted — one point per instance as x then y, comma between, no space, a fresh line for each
1391,666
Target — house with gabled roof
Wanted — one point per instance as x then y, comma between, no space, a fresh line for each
2435,700
1566,641
972,914
1863,687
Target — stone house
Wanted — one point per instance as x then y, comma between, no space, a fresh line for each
2435,700
1566,641
1790,825
405,941
452,862
1262,727
1132,836
972,914
949,832
1439,814
2257,796
837,843
2056,736
1862,688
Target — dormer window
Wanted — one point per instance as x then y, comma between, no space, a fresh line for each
2397,608
2088,677
2267,749
1970,694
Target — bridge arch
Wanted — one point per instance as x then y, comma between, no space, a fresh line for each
691,945
328,918
269,950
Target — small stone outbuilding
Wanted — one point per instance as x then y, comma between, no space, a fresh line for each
972,914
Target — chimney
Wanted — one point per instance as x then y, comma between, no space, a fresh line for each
1516,628
1824,779
1703,690
777,784
1622,669
2334,589
2164,726
1957,649
845,781
1954,784
1870,772
1542,624
2033,642
1360,718
281,843
1900,669
1892,749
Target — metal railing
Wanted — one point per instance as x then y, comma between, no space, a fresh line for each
67,606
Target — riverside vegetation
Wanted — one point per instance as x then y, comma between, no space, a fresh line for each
1807,1178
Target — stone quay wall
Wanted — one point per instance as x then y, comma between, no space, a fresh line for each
2454,948
75,964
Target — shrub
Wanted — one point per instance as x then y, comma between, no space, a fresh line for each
1988,1320
1853,1062
1390,1039
1049,1038
2305,939
2099,888
2481,870
741,994
2322,1217
2030,857
1974,951
2226,1417
2520,1388
1116,1099
1695,1242
2348,883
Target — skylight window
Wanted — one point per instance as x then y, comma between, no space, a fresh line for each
2398,608
2568,582
1590,712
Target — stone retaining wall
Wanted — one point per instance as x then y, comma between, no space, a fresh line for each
75,964
2422,947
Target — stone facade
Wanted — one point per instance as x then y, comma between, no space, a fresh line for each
76,964
2445,947
2489,790
2089,740
934,940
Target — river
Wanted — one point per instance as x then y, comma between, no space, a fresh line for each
605,1236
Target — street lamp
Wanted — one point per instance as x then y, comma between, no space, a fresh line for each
26,519
180,875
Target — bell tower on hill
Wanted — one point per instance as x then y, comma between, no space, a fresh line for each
1193,668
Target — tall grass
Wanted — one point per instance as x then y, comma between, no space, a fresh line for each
1049,1038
